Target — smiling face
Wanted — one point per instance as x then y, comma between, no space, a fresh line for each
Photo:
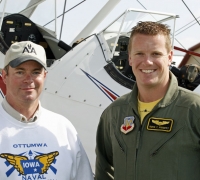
24,83
150,60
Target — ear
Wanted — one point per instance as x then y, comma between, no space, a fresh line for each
4,75
170,56
45,74
129,60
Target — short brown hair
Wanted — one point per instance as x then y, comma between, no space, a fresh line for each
6,68
152,29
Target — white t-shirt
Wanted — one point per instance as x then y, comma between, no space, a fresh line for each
48,148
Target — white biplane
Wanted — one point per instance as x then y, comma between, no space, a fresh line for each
86,75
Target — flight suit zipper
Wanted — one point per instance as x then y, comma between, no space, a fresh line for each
119,143
138,139
139,134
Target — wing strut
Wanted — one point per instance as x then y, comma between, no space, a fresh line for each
64,13
62,19
191,12
3,13
186,51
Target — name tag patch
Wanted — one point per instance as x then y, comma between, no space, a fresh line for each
160,124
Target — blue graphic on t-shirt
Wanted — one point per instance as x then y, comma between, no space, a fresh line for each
32,166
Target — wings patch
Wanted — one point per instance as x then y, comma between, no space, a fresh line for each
15,161
159,124
46,160
40,164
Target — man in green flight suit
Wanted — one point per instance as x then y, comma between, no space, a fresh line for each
153,132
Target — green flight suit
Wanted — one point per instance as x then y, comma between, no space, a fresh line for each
165,147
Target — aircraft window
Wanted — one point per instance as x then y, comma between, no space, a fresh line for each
120,58
118,77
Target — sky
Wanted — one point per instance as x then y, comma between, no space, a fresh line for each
77,18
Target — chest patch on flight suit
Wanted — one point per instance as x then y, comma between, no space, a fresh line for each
128,124
160,124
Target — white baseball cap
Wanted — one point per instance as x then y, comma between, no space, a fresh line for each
20,52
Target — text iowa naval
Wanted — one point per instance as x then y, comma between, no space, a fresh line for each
33,177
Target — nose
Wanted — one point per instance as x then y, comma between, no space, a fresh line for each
28,78
148,59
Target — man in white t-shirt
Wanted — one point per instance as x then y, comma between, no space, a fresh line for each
35,143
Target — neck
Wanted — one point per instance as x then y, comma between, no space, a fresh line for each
150,94
26,108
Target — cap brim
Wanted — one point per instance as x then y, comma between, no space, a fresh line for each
16,62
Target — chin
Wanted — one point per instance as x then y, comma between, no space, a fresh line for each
150,84
30,98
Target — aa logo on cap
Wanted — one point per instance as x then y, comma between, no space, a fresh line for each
128,124
160,124
29,49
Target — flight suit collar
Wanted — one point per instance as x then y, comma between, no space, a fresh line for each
169,97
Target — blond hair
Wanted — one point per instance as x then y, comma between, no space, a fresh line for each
152,29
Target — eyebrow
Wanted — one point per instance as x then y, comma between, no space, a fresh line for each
20,68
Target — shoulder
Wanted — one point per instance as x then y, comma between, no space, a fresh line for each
188,96
121,101
118,105
56,119
49,113
188,99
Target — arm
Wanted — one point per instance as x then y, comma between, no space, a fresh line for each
104,164
80,166
84,171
